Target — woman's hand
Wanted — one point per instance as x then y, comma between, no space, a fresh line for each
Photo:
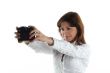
40,36
37,35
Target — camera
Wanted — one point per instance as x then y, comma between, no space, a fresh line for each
23,32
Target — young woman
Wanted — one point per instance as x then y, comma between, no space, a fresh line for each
70,54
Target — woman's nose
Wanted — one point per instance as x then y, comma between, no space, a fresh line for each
65,32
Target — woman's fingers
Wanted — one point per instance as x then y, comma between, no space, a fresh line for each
34,31
32,26
33,36
31,32
17,35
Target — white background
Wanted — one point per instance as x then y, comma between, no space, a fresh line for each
18,58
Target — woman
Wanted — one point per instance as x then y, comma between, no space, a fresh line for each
70,54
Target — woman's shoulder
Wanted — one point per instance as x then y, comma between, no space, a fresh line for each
85,45
82,45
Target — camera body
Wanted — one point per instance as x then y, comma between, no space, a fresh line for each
24,33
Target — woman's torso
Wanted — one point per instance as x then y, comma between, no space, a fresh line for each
69,64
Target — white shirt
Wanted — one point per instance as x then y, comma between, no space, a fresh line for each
75,59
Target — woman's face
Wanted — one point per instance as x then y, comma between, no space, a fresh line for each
67,33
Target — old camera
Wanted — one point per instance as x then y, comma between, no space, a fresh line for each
24,33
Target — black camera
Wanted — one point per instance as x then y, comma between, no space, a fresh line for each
23,32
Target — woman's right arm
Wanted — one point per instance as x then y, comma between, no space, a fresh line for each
39,47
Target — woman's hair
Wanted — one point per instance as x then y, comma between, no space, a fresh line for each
74,20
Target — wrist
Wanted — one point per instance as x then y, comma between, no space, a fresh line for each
50,41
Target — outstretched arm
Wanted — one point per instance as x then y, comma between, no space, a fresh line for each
79,51
40,47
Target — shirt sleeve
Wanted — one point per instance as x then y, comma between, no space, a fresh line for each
40,47
79,51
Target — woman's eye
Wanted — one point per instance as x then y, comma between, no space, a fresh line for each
61,29
68,28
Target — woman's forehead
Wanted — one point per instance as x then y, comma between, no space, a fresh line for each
66,24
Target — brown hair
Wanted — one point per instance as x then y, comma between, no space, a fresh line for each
75,21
